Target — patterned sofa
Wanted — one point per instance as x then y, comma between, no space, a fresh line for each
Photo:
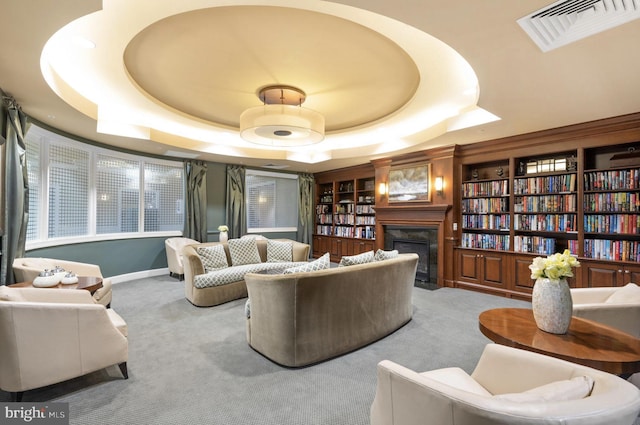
214,271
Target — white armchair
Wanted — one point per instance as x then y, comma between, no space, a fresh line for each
28,268
618,307
49,335
495,393
174,246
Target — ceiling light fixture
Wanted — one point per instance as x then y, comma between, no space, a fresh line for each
281,120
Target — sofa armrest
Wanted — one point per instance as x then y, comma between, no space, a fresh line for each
300,251
591,295
54,295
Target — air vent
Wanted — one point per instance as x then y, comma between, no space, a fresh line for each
564,22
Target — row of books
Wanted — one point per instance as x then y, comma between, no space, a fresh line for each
489,188
485,241
545,203
603,249
324,230
534,244
546,184
323,209
344,208
487,221
344,219
612,180
612,202
368,219
365,209
345,232
324,219
545,222
367,232
612,223
485,205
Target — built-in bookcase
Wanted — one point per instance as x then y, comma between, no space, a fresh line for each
612,203
486,218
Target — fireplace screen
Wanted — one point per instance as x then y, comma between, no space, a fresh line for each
422,249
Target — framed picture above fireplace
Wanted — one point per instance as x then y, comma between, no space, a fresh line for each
410,183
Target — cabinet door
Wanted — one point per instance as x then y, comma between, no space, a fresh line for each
522,275
362,246
631,275
600,274
336,248
469,266
493,269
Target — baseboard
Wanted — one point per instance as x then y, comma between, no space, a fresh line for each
139,275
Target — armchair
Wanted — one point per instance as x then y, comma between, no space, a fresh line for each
50,335
173,247
28,268
618,307
495,393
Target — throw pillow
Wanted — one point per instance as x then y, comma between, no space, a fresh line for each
350,260
279,251
630,293
212,257
385,255
569,389
244,251
321,263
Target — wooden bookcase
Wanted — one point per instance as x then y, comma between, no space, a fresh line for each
577,188
345,212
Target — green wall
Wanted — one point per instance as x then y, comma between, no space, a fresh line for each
123,256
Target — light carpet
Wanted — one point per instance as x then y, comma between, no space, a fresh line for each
190,365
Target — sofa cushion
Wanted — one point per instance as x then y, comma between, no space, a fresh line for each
321,263
279,251
630,293
385,255
569,389
236,273
243,251
350,260
212,257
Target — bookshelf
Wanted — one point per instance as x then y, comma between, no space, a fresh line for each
344,213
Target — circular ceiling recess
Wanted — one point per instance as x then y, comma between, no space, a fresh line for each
211,64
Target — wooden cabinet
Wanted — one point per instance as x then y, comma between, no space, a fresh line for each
477,269
607,274
338,247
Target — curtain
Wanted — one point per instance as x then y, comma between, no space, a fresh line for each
16,190
305,207
195,224
236,205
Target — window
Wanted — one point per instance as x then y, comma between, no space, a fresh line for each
272,201
82,192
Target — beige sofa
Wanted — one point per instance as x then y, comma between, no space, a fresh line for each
618,307
49,335
28,268
508,386
207,296
303,318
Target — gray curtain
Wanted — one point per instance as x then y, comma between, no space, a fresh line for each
305,207
236,205
16,190
195,223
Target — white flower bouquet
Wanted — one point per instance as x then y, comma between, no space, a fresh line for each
555,267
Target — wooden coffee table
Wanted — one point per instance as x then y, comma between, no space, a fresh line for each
587,342
89,283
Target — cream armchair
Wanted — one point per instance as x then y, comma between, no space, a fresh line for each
174,246
49,335
495,393
28,268
618,307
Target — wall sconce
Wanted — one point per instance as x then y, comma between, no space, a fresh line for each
382,188
439,185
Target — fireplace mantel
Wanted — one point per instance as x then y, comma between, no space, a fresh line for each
412,214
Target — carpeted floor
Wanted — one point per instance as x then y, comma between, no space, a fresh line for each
190,365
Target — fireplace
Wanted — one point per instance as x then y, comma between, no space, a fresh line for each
422,241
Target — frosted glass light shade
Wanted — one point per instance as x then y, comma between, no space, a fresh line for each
281,125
